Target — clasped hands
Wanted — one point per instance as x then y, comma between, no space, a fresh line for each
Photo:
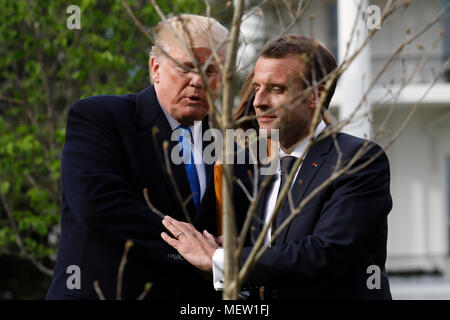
197,248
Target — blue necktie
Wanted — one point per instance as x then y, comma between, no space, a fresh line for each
189,165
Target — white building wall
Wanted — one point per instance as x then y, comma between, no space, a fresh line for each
418,222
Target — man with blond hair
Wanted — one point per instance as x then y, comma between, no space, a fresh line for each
114,150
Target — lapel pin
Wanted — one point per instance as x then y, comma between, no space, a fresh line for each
314,164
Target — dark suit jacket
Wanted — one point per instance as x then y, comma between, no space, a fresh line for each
325,252
108,158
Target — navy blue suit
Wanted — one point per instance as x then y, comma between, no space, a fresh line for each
109,157
325,252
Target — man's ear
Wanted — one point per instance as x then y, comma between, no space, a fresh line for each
154,69
315,96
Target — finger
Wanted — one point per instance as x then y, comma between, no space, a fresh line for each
171,241
219,240
169,226
208,236
180,226
210,242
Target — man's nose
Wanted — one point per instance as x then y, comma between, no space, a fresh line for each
261,100
196,80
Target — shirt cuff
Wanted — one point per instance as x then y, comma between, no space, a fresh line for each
218,262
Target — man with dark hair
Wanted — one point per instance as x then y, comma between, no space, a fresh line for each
318,60
331,249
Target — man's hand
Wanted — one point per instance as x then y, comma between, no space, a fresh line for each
197,248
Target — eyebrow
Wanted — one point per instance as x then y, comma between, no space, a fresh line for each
189,64
272,84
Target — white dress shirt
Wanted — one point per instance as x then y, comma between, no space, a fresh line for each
196,147
219,255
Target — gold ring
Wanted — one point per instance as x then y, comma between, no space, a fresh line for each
178,234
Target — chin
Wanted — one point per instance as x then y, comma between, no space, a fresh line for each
195,116
268,125
267,129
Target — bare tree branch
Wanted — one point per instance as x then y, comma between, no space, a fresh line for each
150,204
123,262
147,288
231,266
98,290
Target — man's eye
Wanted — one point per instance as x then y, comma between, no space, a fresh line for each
211,72
278,90
185,67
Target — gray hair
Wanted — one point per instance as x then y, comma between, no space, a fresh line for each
194,30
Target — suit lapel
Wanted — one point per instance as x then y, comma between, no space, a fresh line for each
153,130
314,160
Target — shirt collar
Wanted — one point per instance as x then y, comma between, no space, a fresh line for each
196,128
172,122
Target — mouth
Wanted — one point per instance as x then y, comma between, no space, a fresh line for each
267,118
194,99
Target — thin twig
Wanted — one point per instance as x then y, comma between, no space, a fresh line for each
98,290
290,8
244,189
150,204
291,201
277,11
123,262
339,152
147,288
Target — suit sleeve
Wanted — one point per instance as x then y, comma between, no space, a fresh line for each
102,202
358,205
